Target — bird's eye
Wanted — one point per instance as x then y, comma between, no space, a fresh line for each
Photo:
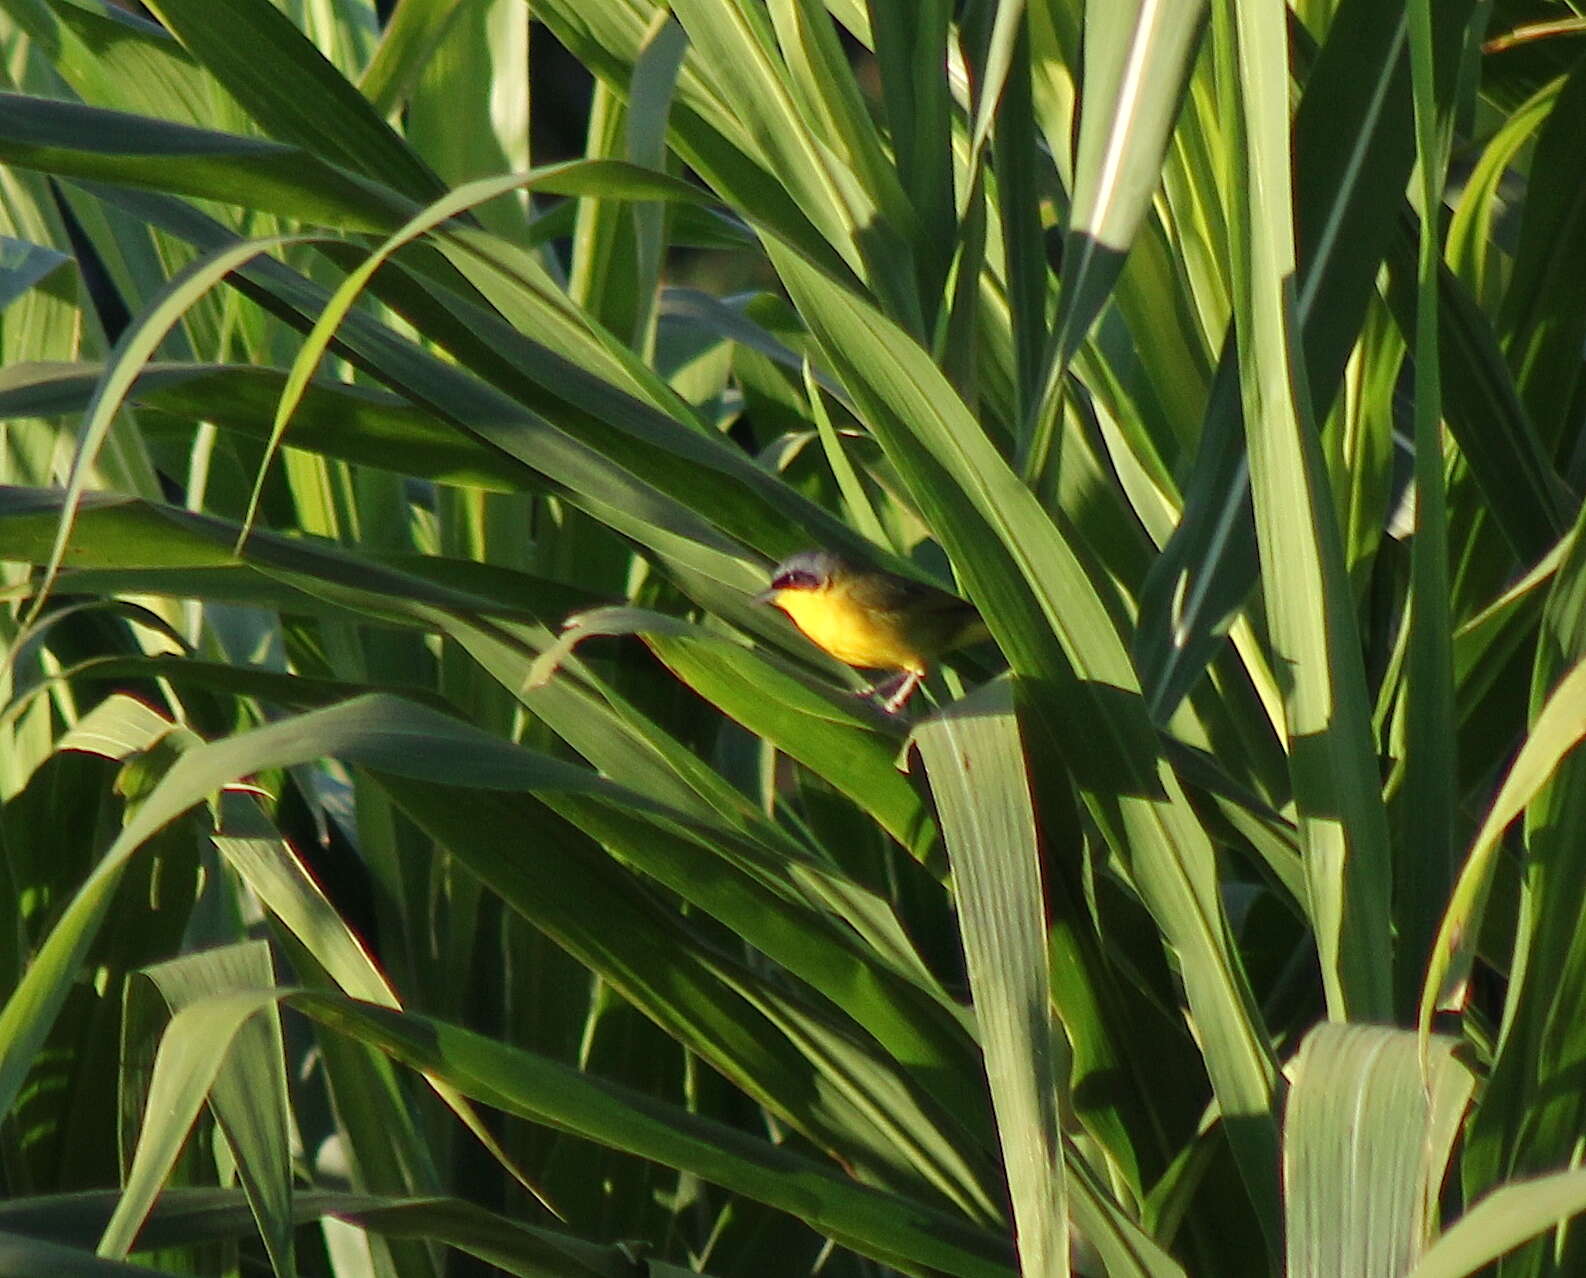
795,579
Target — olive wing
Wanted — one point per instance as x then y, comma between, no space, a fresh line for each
938,618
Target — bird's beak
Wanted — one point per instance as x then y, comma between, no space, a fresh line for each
768,595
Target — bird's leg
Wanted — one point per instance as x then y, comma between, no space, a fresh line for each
883,691
903,690
893,692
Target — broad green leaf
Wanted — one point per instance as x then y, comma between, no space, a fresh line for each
704,1000
611,490
1343,826
1487,417
32,1007
709,135
976,766
115,59
241,1071
285,886
843,739
821,80
118,727
734,43
1023,168
1472,252
1366,1141
469,112
860,510
683,873
127,533
912,40
1137,58
533,1086
604,243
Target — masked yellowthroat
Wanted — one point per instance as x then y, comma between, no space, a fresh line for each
872,619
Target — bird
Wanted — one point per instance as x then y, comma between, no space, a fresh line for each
872,619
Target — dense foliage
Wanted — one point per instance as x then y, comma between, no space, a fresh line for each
365,915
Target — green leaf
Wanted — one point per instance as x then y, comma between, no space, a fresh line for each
1527,1117
886,1227
240,1069
532,1086
186,1216
976,767
407,41
1503,1220
733,43
292,91
1366,1140
1423,870
605,177
112,146
1310,608
24,1257
335,419
22,265
1353,149
1137,59
1558,729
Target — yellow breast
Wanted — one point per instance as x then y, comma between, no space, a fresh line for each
852,633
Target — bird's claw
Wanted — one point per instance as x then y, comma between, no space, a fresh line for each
892,694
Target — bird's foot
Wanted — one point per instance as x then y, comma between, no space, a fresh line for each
891,694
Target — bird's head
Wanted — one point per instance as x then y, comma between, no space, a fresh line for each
809,570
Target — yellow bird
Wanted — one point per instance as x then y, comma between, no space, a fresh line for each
872,619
